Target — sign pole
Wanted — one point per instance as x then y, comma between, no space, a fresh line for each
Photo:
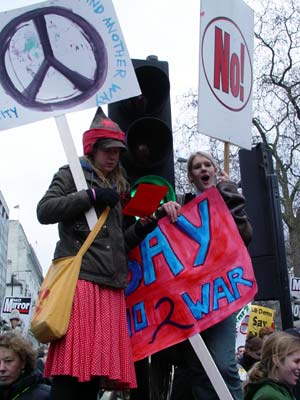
73,160
226,157
210,367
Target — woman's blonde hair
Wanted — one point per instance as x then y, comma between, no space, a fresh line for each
22,347
275,349
199,153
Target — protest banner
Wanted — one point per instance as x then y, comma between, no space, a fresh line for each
225,71
260,317
187,276
242,320
58,56
294,282
61,55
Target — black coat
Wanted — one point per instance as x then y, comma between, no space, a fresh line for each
30,387
105,262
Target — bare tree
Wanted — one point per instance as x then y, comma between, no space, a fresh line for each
276,106
276,109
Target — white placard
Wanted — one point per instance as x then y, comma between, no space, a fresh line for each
226,71
24,307
61,56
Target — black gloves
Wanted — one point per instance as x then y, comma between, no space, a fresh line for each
105,197
142,229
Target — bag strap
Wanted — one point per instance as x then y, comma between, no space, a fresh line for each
94,232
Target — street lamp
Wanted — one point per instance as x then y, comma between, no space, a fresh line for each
14,282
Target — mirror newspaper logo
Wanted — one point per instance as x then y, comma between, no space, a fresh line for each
19,308
227,66
22,304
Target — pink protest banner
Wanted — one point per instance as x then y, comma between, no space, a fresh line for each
186,277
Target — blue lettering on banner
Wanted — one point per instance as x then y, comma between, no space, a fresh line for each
107,97
117,42
136,277
156,243
235,277
96,5
161,246
139,316
200,307
220,290
9,113
217,290
109,23
128,322
112,30
201,235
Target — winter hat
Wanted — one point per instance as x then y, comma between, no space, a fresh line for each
14,314
105,129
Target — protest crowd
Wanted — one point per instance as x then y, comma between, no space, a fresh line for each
94,356
142,303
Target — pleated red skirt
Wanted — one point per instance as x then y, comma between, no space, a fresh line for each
97,342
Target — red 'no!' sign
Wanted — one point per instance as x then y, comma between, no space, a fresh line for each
225,71
186,277
231,81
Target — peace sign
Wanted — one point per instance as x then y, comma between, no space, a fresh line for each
51,58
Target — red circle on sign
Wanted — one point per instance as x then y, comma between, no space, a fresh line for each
238,81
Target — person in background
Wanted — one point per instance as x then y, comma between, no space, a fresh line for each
265,332
240,352
277,372
96,351
17,363
252,354
41,359
295,332
15,321
190,378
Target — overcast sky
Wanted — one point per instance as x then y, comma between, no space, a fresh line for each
31,154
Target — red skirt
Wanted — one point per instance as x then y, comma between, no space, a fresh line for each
97,342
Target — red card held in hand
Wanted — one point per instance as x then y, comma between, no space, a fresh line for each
146,200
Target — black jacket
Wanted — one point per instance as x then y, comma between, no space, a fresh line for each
106,260
30,387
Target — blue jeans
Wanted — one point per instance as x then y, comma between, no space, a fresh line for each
190,378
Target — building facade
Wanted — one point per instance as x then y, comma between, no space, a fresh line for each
24,272
4,224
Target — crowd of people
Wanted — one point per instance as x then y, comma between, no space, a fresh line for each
96,353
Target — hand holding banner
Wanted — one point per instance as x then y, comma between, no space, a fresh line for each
187,276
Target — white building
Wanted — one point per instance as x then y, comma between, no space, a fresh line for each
4,215
24,272
23,278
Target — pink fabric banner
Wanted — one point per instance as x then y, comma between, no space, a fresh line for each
187,276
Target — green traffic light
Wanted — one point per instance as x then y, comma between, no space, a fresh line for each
155,180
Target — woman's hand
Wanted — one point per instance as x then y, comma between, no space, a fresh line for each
172,209
223,177
145,225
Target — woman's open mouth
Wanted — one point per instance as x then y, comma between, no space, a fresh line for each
205,178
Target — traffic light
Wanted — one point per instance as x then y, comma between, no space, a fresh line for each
146,120
267,249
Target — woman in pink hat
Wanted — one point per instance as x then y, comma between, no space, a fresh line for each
96,350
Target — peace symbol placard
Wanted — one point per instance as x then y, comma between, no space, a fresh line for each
61,55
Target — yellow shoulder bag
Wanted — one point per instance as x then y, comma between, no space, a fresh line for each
54,304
